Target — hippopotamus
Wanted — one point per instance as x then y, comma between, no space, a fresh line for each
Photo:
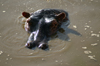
42,24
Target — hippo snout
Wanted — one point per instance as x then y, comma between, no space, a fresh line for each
43,46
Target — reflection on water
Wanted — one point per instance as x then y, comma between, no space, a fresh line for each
78,45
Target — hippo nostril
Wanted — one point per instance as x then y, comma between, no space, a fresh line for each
30,45
27,45
43,46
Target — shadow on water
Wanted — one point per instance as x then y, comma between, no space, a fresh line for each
70,31
63,34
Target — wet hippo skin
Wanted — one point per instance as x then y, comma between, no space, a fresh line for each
42,24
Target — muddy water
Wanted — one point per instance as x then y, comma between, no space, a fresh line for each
77,46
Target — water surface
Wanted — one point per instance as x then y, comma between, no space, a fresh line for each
77,46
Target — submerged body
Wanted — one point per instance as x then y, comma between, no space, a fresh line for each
42,24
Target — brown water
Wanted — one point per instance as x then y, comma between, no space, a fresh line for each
69,49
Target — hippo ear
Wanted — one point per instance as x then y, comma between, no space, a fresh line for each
61,16
26,14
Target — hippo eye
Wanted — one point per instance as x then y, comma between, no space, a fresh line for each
28,20
54,26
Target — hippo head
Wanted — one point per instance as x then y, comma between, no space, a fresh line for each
41,28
